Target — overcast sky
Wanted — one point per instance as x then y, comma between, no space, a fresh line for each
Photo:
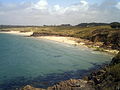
50,12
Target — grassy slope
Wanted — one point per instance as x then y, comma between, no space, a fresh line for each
71,31
105,34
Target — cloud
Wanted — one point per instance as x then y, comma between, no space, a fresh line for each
42,12
82,6
42,5
118,5
79,7
9,7
57,7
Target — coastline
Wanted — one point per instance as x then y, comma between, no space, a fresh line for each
61,39
78,42
66,40
100,79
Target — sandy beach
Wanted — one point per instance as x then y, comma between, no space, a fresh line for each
61,39
18,33
66,40
76,42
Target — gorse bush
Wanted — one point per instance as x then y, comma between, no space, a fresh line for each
114,70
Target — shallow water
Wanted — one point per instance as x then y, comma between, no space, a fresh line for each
32,59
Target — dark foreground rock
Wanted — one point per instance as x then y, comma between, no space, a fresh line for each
72,84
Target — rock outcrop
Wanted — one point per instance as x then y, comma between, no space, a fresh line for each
109,37
108,76
72,84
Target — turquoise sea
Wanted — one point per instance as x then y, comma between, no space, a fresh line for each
42,63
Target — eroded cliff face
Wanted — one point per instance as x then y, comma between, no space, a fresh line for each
109,37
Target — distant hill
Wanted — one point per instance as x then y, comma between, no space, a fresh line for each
91,24
80,25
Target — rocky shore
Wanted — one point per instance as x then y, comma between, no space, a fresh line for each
107,40
72,84
104,40
108,78
96,46
101,79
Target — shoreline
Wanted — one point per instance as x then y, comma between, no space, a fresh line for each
62,39
67,40
45,81
77,42
100,79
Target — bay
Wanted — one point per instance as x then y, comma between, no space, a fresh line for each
34,58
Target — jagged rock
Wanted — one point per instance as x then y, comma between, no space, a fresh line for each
28,87
71,84
109,37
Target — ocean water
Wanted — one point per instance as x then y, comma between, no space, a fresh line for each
25,60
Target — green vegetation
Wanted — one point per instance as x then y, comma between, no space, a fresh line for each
114,70
108,76
99,49
74,31
113,74
110,37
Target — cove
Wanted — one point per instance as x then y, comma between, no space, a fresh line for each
25,60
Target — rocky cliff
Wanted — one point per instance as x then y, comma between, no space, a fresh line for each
109,37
